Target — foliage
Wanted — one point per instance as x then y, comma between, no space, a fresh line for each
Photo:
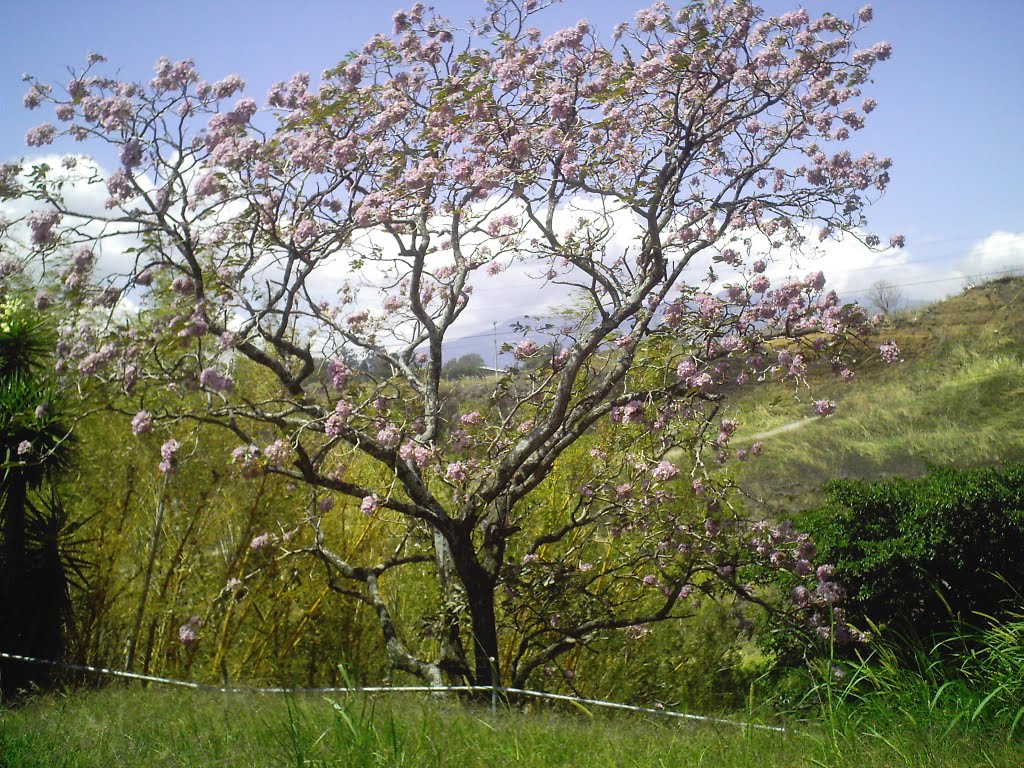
969,679
633,171
916,554
37,558
467,365
256,615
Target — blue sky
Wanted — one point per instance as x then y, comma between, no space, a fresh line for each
951,99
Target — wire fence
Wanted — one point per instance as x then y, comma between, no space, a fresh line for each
498,693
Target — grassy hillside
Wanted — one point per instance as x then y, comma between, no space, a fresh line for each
956,398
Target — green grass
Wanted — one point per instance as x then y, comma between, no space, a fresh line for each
955,399
119,726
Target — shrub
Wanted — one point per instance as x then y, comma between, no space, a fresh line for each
916,554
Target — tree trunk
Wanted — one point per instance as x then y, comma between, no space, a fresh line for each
453,654
479,585
485,633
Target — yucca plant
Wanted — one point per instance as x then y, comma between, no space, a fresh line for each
35,446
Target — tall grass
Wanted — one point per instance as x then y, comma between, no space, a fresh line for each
878,714
969,682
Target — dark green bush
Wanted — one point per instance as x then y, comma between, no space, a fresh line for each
916,555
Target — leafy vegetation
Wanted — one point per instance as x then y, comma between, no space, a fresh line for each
917,555
37,564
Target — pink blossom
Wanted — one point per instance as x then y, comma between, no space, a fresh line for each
339,373
248,456
414,452
35,95
890,351
278,452
209,184
815,280
169,456
389,436
824,407
686,369
471,419
259,542
187,633
882,51
305,231
525,349
227,87
664,471
131,154
369,505
42,223
897,241
794,18
456,472
142,423
214,380
707,305
41,135
760,284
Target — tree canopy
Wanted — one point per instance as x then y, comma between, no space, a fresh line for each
653,176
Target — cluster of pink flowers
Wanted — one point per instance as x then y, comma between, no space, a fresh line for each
890,352
188,632
42,223
142,423
278,453
525,350
389,436
824,407
215,380
169,456
457,472
419,455
664,471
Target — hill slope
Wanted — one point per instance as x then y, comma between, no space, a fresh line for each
956,398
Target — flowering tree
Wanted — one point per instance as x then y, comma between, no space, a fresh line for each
652,176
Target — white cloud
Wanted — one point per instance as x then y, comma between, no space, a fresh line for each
999,252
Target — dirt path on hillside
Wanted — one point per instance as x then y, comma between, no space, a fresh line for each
785,428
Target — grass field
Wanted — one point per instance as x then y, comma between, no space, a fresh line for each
134,727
